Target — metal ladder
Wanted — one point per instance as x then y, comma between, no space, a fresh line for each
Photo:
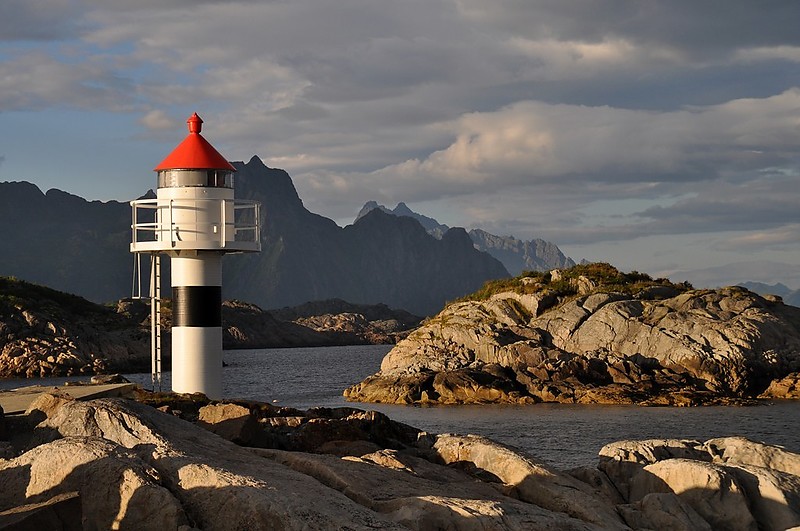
155,311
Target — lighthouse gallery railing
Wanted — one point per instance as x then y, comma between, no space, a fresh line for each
156,227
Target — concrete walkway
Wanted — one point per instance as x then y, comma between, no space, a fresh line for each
16,401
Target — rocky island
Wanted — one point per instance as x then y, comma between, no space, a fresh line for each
181,462
592,334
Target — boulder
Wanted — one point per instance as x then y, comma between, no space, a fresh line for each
712,491
774,496
530,481
117,489
3,434
476,386
222,486
731,482
663,511
742,451
623,460
230,421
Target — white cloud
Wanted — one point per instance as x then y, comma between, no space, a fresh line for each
158,120
553,59
535,142
786,237
766,53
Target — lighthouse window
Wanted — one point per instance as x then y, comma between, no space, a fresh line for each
220,179
207,178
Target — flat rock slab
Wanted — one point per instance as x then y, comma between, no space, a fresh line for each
17,401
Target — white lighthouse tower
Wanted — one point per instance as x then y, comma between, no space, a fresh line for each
194,220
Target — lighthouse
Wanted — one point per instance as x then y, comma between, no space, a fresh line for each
194,220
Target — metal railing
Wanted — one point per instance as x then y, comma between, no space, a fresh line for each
156,227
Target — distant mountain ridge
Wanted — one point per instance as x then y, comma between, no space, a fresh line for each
788,295
433,227
64,242
73,245
516,255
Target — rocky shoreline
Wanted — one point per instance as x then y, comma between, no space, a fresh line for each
592,334
170,462
44,332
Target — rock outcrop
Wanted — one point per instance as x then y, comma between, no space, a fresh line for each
349,323
786,387
594,335
44,332
728,483
119,464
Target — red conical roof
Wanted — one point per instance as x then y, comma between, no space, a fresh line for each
194,153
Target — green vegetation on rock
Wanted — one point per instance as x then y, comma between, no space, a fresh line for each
28,296
596,277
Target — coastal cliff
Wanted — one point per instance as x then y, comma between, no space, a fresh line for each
119,464
591,334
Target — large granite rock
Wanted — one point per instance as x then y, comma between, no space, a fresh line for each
118,464
579,337
731,483
117,489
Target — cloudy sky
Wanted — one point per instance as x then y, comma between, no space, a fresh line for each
662,136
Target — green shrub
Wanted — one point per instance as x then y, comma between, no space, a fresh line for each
606,278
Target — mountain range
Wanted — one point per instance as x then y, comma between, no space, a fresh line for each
78,246
788,295
516,255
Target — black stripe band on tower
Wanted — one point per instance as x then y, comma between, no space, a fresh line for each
197,306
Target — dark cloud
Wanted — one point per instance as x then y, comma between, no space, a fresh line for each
35,81
41,20
700,30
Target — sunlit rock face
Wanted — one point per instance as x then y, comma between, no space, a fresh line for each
118,464
571,337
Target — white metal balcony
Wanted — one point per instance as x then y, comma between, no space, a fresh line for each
195,224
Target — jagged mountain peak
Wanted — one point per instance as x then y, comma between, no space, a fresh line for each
516,255
433,227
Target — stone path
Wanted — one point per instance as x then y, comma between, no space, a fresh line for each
16,401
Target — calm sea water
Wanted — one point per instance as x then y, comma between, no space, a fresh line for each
561,435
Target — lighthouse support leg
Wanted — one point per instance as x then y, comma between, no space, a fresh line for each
197,324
